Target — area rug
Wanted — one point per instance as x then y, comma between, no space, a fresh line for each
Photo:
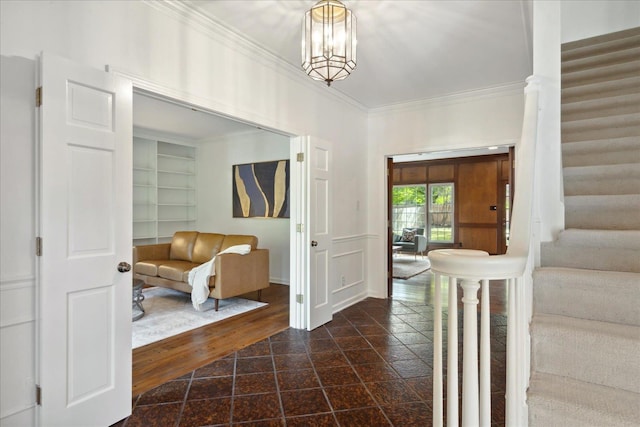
169,312
405,267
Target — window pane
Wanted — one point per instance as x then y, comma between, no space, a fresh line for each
409,207
441,203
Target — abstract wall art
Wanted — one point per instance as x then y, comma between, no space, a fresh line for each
261,190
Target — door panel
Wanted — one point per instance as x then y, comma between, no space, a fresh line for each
84,324
318,157
477,199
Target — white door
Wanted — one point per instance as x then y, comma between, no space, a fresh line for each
311,231
84,302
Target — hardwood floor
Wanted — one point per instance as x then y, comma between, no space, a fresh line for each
156,363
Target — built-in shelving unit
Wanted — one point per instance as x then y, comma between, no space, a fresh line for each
164,189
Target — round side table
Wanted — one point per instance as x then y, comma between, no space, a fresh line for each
137,299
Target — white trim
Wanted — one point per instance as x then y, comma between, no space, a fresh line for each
507,89
18,282
349,302
188,13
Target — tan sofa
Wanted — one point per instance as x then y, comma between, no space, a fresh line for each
168,264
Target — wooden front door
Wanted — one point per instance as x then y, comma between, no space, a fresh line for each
478,201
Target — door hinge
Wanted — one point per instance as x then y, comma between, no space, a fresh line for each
38,395
300,157
299,298
38,246
299,228
39,96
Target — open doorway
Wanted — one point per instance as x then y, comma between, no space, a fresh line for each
444,200
215,144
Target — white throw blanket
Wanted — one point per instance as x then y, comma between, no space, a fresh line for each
199,276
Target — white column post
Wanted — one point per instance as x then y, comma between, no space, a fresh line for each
452,355
485,358
470,401
437,353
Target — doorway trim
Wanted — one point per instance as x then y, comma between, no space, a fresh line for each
148,88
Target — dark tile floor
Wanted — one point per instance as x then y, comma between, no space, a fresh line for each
370,366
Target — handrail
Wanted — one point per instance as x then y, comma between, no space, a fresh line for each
475,269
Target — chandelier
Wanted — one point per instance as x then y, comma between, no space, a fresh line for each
329,41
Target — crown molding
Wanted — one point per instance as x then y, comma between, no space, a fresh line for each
189,14
515,88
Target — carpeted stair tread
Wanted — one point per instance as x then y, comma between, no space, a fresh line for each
601,152
623,125
602,179
585,349
606,296
558,401
605,212
603,58
600,74
601,107
597,45
606,250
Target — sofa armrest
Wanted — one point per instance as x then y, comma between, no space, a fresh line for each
146,252
238,274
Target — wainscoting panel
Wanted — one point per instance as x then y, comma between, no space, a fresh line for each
349,279
17,350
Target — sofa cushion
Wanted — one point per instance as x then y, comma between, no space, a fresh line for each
182,245
148,267
206,247
239,239
175,270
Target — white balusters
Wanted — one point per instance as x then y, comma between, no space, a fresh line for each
485,357
452,355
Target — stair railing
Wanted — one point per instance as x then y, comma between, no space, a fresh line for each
474,269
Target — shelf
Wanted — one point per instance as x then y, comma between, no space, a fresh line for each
165,172
176,188
171,156
177,172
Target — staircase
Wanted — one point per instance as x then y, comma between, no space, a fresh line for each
585,332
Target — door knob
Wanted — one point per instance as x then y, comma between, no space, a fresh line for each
314,243
123,267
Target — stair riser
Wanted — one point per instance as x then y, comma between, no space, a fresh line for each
587,355
602,217
607,43
600,158
593,185
587,258
603,296
627,126
619,87
601,108
601,75
603,59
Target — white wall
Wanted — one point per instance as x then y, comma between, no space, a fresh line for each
582,19
163,50
215,207
17,231
476,119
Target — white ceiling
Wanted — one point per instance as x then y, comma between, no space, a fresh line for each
407,51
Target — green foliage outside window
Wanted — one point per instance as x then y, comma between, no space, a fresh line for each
409,195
